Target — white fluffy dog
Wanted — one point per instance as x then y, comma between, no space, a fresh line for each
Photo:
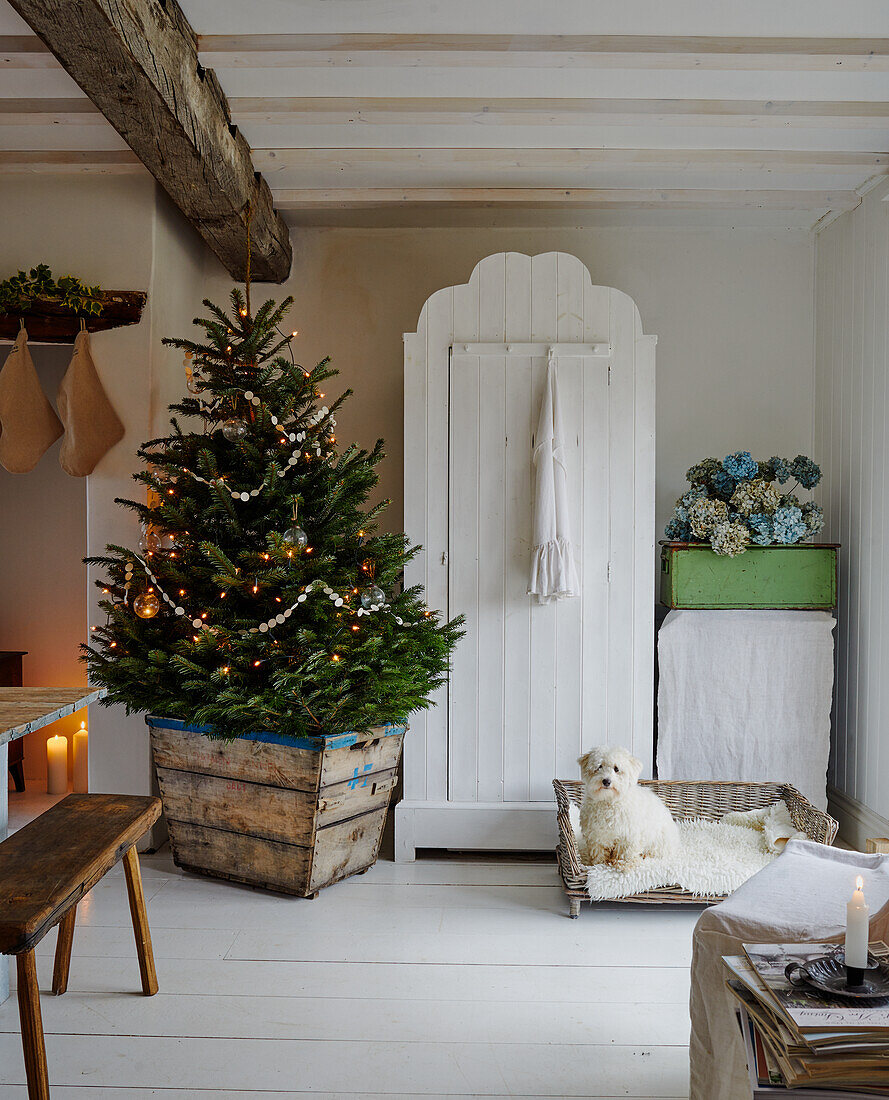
620,822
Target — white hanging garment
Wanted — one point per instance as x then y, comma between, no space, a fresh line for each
553,572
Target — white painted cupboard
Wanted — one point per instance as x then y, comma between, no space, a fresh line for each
532,685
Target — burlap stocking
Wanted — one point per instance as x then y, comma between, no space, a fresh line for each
92,427
28,424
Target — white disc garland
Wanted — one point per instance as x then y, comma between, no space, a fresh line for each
197,621
293,458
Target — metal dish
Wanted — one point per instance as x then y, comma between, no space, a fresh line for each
828,975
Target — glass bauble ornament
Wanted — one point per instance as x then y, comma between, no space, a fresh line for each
234,429
372,596
146,605
193,385
297,537
166,541
148,543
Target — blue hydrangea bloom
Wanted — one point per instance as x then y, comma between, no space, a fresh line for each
780,468
740,465
762,528
806,472
677,529
789,526
696,492
723,484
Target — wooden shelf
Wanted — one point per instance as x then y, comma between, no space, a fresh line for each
49,322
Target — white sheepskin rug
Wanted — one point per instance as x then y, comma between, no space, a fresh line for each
714,857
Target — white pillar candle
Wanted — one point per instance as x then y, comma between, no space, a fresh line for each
81,760
857,928
57,765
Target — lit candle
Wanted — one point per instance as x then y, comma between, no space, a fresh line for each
57,765
81,760
857,934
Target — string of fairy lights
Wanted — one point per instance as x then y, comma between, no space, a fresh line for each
199,621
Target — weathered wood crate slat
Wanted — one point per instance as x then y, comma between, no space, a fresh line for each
288,816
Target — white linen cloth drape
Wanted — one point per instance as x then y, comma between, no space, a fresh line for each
553,572
746,695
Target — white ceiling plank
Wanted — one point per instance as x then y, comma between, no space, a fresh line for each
435,217
102,162
637,198
567,82
38,137
398,159
292,110
52,112
609,168
809,18
51,83
272,144
545,51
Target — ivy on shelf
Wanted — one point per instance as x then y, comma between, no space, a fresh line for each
21,291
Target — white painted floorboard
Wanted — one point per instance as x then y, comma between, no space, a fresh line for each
435,979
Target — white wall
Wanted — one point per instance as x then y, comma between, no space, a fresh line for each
851,409
732,309
123,234
42,594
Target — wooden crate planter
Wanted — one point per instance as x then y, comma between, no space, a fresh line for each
284,814
799,577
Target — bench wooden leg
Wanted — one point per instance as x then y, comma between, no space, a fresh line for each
140,922
17,771
63,952
32,1027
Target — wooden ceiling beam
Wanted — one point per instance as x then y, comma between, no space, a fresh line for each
549,50
137,61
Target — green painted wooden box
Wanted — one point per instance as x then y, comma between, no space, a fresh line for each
800,577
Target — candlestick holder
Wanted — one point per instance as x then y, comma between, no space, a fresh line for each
829,974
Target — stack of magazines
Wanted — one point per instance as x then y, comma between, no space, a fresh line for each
834,1048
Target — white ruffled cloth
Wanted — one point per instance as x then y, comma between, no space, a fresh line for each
553,572
799,898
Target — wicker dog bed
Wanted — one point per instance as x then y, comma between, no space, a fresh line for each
685,800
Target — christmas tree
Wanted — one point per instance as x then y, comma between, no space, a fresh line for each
263,596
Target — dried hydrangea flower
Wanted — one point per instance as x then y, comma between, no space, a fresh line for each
730,538
780,468
704,515
789,525
806,472
702,472
755,496
762,529
740,466
813,517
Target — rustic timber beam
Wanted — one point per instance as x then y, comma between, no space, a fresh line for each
137,61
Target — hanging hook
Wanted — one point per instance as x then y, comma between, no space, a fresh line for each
82,325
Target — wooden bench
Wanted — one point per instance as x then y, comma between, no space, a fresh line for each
45,869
